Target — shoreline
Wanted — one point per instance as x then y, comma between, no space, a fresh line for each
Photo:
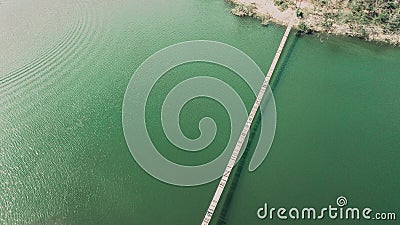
312,19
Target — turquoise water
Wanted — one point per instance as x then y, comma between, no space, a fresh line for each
64,159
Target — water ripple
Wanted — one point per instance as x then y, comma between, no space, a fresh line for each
30,196
54,65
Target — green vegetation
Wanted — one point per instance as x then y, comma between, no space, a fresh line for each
384,13
368,19
303,28
244,10
285,4
299,13
282,4
249,10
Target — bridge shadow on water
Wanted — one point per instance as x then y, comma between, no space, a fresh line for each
253,136
288,51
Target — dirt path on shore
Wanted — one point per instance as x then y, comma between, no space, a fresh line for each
267,7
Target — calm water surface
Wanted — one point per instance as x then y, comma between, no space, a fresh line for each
63,73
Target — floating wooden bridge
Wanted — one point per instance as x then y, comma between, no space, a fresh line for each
243,134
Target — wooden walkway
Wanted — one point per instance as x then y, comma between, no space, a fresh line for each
235,154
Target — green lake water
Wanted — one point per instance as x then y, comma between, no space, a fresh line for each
63,73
